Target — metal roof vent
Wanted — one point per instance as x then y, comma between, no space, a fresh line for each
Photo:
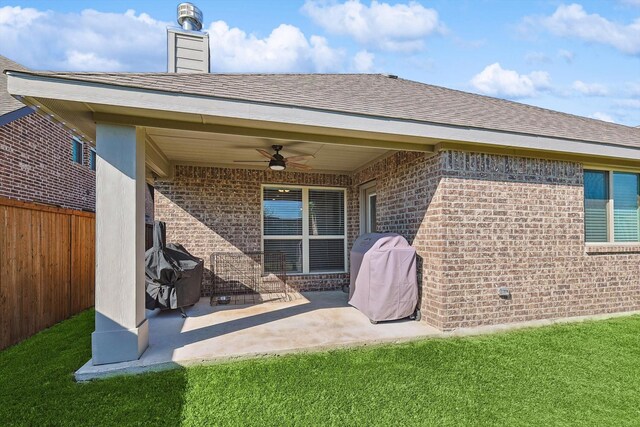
189,17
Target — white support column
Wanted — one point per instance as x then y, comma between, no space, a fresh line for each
122,331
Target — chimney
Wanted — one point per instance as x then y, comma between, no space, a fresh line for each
188,47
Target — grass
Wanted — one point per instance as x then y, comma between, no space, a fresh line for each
576,374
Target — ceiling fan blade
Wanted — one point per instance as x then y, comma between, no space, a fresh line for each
250,161
299,166
299,158
265,153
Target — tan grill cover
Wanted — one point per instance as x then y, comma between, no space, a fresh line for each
384,284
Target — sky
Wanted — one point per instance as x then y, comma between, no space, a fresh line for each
581,58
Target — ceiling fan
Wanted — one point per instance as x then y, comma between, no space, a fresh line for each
278,162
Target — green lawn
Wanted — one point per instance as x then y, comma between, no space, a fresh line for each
580,374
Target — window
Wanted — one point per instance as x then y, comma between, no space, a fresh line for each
76,150
368,201
625,207
92,159
596,200
308,225
611,206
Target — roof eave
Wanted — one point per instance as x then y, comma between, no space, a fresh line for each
207,109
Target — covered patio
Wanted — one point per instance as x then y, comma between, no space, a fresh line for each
313,321
187,146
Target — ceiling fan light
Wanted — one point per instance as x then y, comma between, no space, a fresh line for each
277,165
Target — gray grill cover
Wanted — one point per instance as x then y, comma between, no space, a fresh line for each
384,284
173,276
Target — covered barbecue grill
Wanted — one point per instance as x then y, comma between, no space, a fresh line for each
173,277
384,284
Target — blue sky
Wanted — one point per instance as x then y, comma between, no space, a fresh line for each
581,58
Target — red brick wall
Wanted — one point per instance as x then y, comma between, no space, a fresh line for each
478,222
217,210
36,165
519,223
409,202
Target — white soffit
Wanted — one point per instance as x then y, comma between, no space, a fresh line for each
188,147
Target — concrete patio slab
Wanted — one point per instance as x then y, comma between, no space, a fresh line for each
313,321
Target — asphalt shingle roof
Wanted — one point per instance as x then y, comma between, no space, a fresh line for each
376,95
7,102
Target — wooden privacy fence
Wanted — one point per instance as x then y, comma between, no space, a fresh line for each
47,267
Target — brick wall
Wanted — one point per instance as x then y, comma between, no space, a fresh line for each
409,202
216,209
519,223
477,221
36,165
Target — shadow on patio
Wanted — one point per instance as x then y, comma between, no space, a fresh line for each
313,321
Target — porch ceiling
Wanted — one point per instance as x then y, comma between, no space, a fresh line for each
179,145
205,148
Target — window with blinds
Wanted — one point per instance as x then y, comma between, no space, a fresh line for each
92,159
611,206
292,250
596,198
282,212
308,225
625,207
326,230
76,150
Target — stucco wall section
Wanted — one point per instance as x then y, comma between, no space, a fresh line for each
36,165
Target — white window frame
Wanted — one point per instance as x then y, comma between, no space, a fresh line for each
611,239
306,237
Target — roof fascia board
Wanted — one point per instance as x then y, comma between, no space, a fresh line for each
15,115
156,159
98,93
283,134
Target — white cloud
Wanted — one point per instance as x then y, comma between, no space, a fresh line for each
89,40
574,21
567,55
602,116
98,41
628,103
537,58
634,88
590,89
325,58
496,81
89,61
286,49
363,62
398,27
17,16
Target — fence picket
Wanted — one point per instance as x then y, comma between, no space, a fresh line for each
47,267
